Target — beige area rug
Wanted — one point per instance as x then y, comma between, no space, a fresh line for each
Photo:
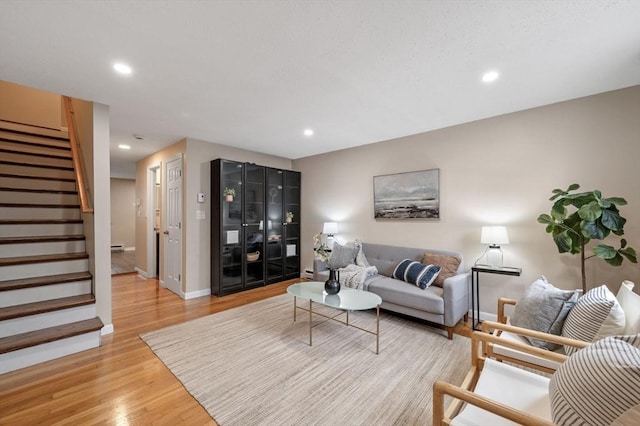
253,365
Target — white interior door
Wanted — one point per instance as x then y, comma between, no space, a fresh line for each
173,231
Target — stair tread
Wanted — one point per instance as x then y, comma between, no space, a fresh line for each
33,205
27,129
37,191
35,140
40,239
39,221
51,334
35,164
35,308
23,260
17,176
43,281
59,156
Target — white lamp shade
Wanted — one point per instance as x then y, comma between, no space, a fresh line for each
330,228
494,235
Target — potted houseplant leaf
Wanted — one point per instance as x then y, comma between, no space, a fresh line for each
579,217
229,193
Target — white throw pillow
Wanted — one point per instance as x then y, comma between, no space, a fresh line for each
630,303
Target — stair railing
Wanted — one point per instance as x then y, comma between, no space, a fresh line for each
85,203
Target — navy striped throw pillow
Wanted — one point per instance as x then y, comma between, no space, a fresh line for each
416,273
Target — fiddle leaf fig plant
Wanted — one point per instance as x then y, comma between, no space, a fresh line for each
577,218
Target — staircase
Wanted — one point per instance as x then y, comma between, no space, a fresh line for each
47,305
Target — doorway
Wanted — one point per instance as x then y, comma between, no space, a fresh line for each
154,187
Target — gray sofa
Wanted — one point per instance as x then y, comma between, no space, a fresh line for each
444,305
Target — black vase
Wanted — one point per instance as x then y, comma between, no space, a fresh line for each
332,285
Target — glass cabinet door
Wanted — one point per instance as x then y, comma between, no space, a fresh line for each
231,223
275,193
254,210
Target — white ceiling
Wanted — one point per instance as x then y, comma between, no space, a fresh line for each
255,74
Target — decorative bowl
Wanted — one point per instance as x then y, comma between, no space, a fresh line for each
252,257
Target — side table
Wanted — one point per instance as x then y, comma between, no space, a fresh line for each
475,284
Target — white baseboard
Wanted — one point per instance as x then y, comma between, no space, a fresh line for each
107,329
140,272
129,249
197,293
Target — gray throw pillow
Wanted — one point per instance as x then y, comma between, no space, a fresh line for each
341,256
543,308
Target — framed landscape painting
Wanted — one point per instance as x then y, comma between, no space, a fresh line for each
411,195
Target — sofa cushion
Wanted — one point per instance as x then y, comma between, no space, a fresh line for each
341,256
543,308
403,294
597,384
416,273
597,310
448,265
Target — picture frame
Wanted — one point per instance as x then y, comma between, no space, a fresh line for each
409,195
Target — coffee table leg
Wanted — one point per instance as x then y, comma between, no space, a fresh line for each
310,319
377,328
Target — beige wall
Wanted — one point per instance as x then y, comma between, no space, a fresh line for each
196,178
499,170
23,104
123,212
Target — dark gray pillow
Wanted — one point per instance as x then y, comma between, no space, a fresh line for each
341,256
543,308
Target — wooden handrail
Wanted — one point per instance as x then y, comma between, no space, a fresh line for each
85,204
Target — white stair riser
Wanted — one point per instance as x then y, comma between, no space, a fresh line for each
34,249
54,185
42,293
39,213
22,358
37,197
33,230
36,171
29,323
35,149
31,270
65,162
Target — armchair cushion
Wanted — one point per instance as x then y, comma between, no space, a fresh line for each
595,315
543,308
598,384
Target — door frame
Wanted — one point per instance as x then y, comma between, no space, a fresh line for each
153,172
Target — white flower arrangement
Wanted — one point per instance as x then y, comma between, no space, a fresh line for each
320,249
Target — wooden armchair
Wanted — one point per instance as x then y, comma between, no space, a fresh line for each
497,393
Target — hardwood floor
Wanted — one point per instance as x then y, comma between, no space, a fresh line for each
123,262
122,382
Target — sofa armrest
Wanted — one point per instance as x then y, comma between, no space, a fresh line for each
456,298
319,266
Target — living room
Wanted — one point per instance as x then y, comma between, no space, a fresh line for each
496,167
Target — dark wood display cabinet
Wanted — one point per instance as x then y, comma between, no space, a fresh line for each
252,243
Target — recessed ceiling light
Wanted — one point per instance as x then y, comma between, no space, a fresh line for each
490,76
123,146
308,132
122,68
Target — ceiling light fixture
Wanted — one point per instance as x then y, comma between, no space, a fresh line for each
308,132
122,68
490,76
123,146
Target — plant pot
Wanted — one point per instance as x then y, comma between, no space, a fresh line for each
289,220
229,198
